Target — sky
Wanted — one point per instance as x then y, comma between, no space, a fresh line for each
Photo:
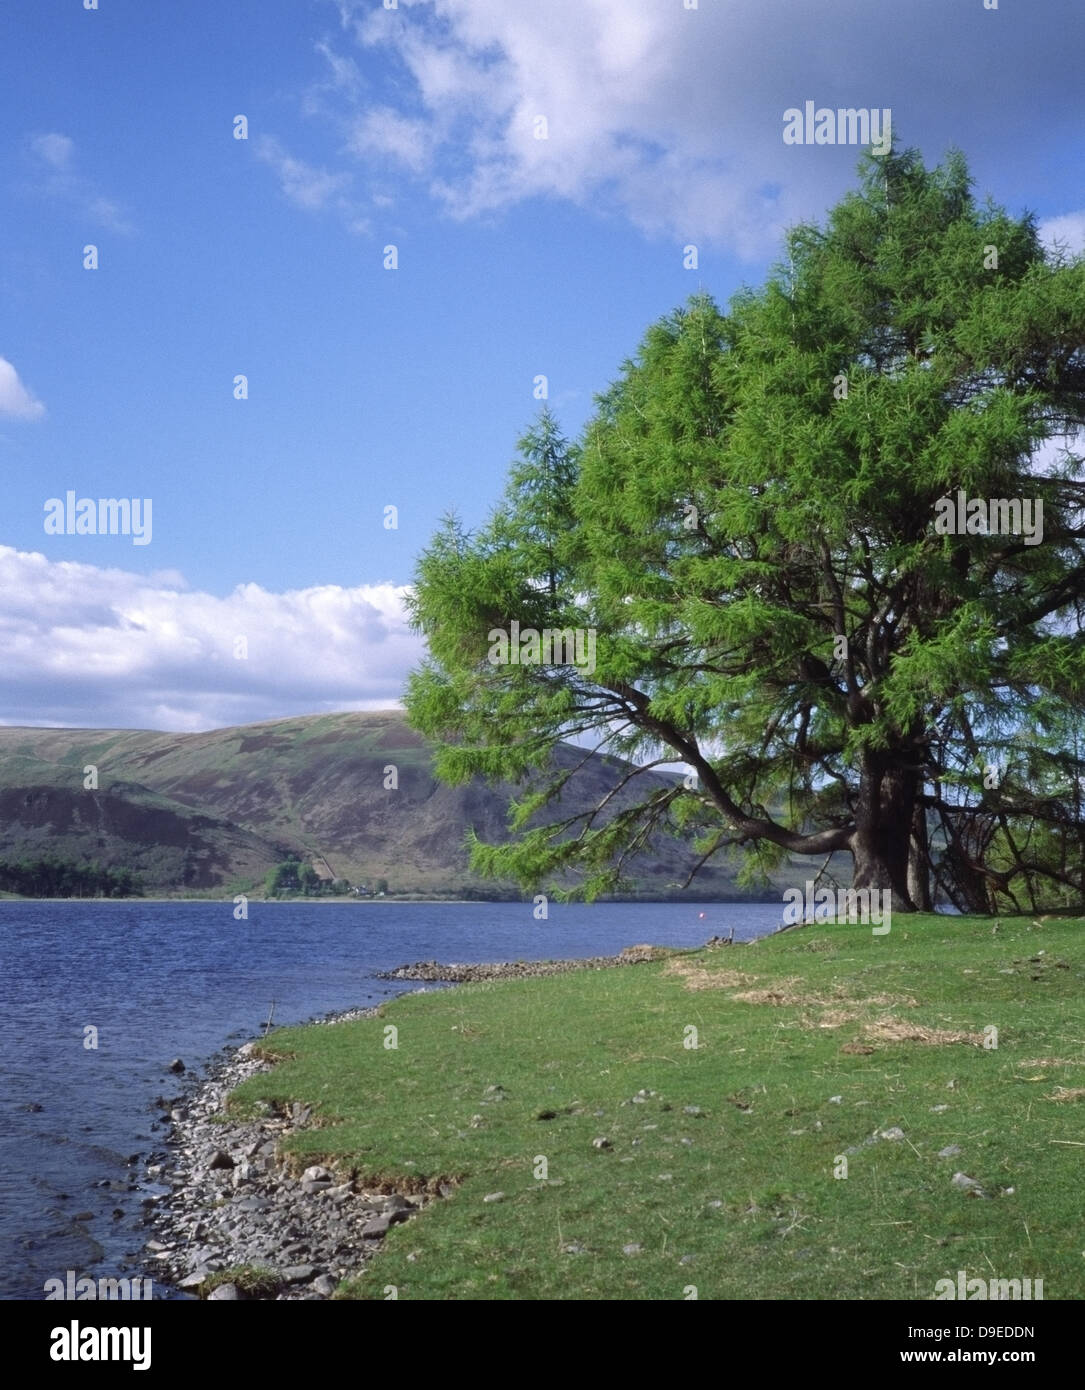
539,167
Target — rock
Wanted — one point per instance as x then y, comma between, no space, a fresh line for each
573,1248
494,1197
379,1226
950,1151
156,1247
632,1249
311,1188
246,1049
33,1107
194,1280
223,1293
835,1100
176,1065
601,1144
317,1174
895,1133
324,1285
83,1216
967,1185
297,1274
220,1160
692,1110
937,1109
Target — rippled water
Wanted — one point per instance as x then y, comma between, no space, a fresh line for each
162,980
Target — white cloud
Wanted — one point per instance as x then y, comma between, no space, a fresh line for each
303,185
56,150
673,118
57,178
383,132
15,399
1069,230
89,646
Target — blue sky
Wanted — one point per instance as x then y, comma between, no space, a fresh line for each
414,126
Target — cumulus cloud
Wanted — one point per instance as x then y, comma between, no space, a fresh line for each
95,647
15,399
673,117
56,177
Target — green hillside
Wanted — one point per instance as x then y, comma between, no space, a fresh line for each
214,812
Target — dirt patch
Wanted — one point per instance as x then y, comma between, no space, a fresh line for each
857,1049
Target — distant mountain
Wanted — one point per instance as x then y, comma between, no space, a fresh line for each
213,812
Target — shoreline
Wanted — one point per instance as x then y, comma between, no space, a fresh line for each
234,1200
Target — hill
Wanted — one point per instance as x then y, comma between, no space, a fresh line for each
215,811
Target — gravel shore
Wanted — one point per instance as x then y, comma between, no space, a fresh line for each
233,1200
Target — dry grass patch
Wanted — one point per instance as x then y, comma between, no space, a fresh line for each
697,977
1050,1062
784,993
898,1030
1065,1093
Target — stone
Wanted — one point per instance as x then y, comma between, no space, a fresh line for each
176,1065
601,1144
223,1293
950,1151
895,1133
494,1197
317,1174
967,1185
219,1159
297,1274
194,1280
632,1249
692,1110
377,1227
324,1285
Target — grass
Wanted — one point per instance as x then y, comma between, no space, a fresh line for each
809,1044
252,1281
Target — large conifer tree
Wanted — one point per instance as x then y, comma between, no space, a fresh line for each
749,527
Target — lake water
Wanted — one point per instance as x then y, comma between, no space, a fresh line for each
164,980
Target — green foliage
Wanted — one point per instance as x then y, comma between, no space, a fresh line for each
747,525
58,878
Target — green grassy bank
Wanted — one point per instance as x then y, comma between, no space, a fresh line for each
721,1171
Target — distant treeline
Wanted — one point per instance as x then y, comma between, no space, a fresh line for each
58,878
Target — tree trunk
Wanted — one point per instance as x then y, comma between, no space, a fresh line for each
919,877
881,842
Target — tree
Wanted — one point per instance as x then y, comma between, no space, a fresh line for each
754,530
